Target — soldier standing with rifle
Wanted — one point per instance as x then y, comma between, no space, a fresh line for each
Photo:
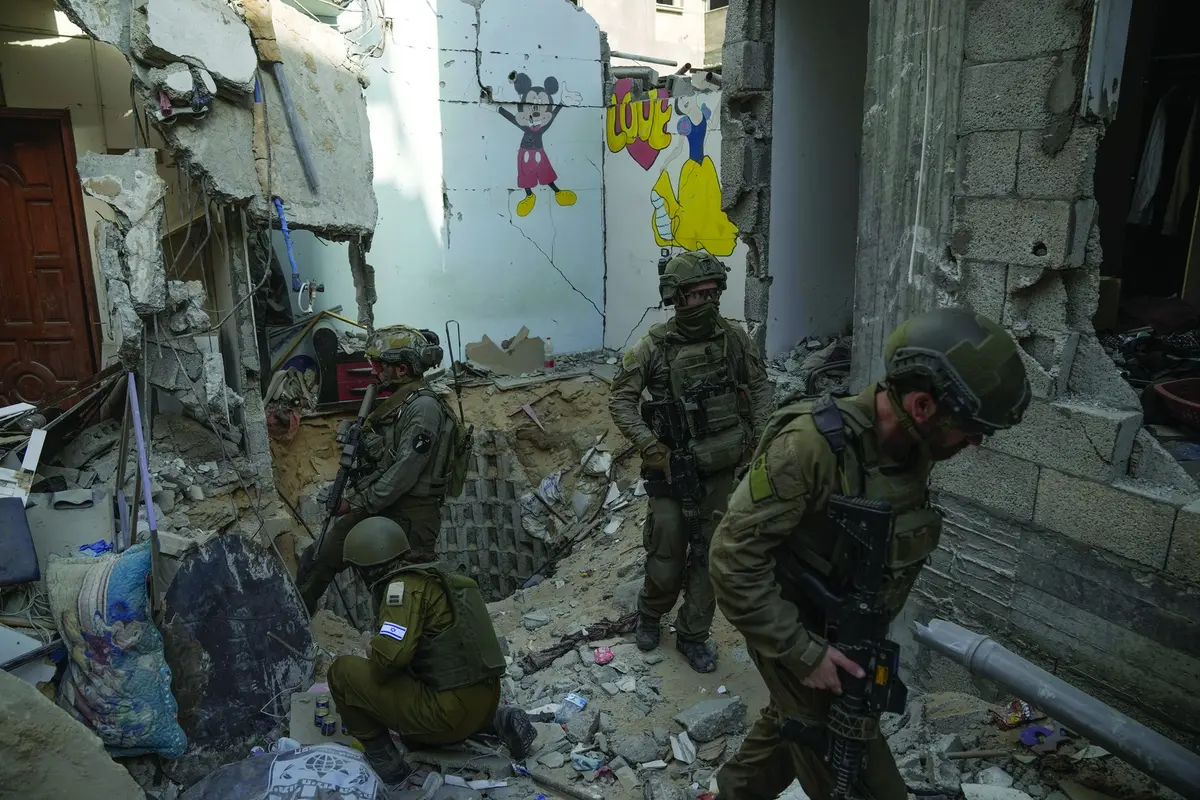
409,447
710,401
824,538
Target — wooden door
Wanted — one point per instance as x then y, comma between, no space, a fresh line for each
48,339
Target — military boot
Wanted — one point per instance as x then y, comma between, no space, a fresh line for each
515,730
697,655
647,633
385,759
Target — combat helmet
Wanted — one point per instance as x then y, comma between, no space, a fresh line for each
400,345
972,364
688,269
375,541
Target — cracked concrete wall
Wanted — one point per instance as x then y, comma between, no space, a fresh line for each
662,195
746,124
453,238
1072,537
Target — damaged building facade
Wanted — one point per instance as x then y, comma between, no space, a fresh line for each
183,144
1000,142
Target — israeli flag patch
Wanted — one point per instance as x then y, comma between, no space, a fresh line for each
397,632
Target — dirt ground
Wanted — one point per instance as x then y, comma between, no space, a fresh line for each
598,581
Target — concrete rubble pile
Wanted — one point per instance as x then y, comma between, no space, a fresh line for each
823,363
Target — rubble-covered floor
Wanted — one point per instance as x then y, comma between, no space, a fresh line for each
634,699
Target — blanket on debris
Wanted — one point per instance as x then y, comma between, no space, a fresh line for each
117,681
324,771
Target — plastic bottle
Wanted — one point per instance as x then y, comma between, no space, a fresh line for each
572,704
548,365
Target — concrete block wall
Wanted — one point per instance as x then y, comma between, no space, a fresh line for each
747,71
1073,537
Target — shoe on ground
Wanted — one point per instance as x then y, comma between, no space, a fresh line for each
515,730
647,633
697,655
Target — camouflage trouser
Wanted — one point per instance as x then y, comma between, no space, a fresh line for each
766,764
421,518
371,700
665,537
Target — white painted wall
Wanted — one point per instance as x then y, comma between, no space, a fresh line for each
820,70
648,29
637,160
450,242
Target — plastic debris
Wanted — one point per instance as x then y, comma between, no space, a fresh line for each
551,487
582,763
1016,713
1089,752
95,548
603,655
613,526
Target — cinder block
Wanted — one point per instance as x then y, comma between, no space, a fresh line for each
1183,559
1068,174
981,287
1032,233
1037,300
746,66
1093,375
1122,519
987,163
1006,30
1008,96
993,479
1084,441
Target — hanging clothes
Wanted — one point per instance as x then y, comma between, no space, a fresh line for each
1150,171
1183,178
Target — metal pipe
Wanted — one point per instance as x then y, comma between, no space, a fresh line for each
1157,756
647,59
641,73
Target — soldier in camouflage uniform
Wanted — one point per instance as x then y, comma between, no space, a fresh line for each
434,666
409,449
953,377
711,366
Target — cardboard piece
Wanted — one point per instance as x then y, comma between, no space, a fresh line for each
519,355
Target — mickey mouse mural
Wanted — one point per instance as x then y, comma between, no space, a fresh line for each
535,114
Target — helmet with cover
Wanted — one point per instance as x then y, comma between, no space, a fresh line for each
689,269
970,363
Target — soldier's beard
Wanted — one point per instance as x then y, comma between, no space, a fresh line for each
698,321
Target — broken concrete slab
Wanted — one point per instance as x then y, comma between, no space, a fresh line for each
105,20
329,101
176,81
109,237
38,739
204,33
124,323
129,182
144,261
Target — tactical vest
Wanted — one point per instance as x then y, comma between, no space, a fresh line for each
467,652
850,433
435,478
704,376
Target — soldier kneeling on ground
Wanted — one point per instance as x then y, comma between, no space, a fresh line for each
434,670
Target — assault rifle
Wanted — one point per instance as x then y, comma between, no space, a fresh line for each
349,436
668,421
857,626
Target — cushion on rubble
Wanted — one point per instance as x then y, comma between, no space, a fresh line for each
117,681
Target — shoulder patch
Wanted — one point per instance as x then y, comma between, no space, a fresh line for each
393,630
629,359
395,593
760,481
422,443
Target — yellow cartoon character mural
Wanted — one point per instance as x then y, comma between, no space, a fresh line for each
692,217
